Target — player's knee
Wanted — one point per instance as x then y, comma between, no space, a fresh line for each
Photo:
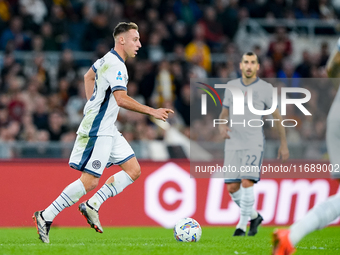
94,183
90,182
247,183
233,187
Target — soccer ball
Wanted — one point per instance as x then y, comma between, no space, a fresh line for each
187,230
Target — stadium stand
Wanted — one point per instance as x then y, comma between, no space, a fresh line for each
46,46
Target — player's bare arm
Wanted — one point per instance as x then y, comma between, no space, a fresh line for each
89,78
224,129
123,100
283,152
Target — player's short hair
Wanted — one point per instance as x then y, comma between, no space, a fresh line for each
250,53
124,27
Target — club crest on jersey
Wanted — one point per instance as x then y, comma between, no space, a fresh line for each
119,76
96,164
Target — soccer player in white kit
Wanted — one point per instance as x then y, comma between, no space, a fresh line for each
244,144
284,240
99,144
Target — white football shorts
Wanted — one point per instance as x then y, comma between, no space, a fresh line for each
242,164
93,154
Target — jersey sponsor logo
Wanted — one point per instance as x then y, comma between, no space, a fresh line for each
96,164
119,76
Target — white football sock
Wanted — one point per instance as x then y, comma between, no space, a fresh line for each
317,218
68,197
121,181
246,205
236,197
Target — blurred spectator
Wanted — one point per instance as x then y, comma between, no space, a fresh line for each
10,69
132,91
146,80
40,114
324,54
16,107
166,39
5,12
303,10
31,96
258,50
49,41
37,43
55,103
40,147
58,20
94,7
155,50
277,8
96,31
75,105
181,33
288,75
35,8
187,11
326,10
40,71
232,54
179,76
15,36
63,90
280,47
10,133
197,51
228,17
67,67
56,126
182,104
117,15
75,31
135,10
213,32
177,42
254,8
303,68
267,68
165,89
4,117
28,25
28,130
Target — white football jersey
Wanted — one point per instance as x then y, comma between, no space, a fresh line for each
100,112
243,134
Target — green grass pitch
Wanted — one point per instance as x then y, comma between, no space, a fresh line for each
150,241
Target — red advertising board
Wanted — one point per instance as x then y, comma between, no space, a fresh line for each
163,194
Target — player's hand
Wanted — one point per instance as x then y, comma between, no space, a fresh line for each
224,129
283,153
162,113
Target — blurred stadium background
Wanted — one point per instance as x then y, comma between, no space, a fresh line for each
46,46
